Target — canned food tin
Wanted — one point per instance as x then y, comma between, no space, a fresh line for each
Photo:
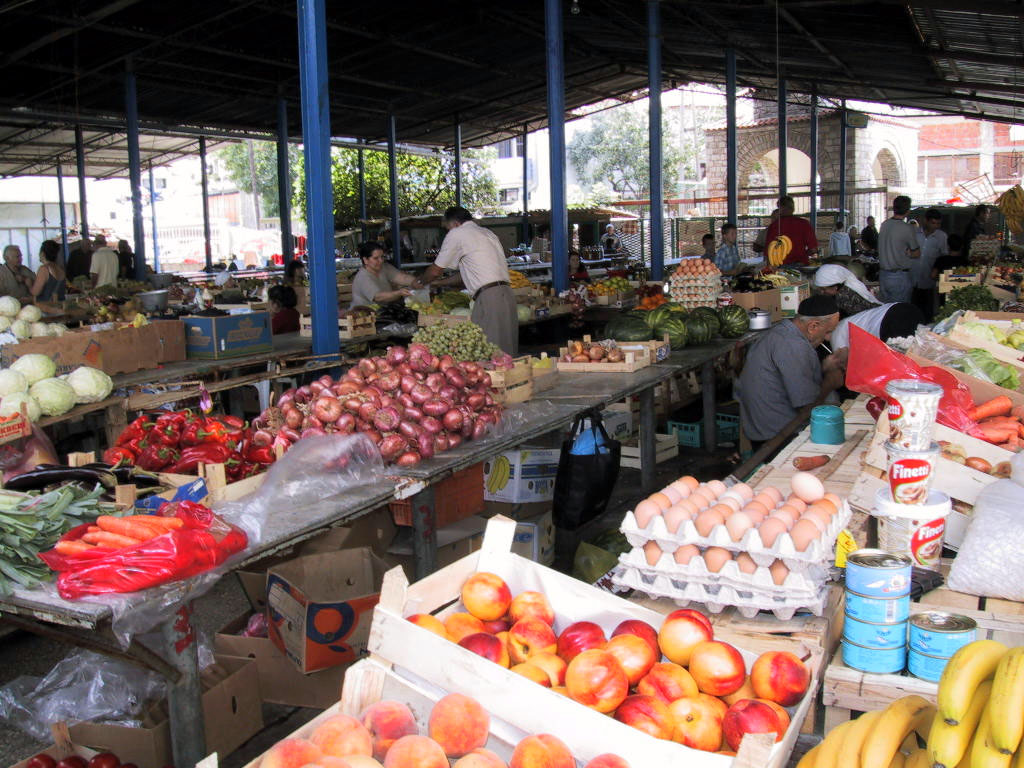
881,636
913,406
910,472
724,299
877,610
876,660
924,666
937,633
875,573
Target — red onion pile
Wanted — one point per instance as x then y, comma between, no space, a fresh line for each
411,403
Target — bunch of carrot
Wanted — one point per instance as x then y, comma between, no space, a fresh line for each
119,532
999,422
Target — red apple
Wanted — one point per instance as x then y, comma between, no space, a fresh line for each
578,637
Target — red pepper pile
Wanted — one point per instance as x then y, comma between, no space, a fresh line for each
179,441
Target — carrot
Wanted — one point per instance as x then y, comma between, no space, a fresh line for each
995,435
1000,405
1001,422
107,539
93,529
127,526
1017,412
76,547
172,523
804,463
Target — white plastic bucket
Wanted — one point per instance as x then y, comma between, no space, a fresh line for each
915,530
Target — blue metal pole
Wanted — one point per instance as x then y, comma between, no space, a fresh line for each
396,239
80,162
458,161
63,214
131,115
152,219
843,137
316,142
731,171
362,192
654,138
205,184
814,157
556,144
783,137
526,190
284,183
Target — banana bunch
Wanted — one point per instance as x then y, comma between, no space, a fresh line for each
778,249
1011,203
776,279
518,279
500,474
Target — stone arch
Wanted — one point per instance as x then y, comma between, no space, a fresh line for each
755,142
886,168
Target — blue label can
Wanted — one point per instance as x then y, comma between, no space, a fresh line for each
937,633
876,573
877,610
926,667
869,635
882,661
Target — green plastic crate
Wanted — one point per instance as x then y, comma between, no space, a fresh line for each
691,435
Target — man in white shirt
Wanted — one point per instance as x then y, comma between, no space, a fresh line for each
105,265
897,251
886,321
933,246
477,254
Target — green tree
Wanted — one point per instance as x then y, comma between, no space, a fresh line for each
614,150
236,161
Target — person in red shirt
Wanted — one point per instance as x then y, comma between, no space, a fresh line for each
284,318
805,242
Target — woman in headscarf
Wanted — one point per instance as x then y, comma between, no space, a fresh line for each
851,294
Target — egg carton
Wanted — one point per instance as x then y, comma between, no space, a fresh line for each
805,585
821,550
716,599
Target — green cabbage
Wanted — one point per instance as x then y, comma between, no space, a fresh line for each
30,313
54,396
22,329
40,329
11,382
984,331
35,367
90,385
12,404
9,306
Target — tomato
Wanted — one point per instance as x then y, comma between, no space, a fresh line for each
105,760
74,761
42,760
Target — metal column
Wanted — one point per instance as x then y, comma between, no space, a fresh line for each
63,215
131,116
731,170
152,220
783,137
814,158
458,161
205,183
184,698
284,183
654,138
556,147
362,192
526,189
396,235
842,160
80,162
316,147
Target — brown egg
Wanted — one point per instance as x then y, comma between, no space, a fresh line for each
717,487
779,571
673,494
743,490
787,511
821,512
815,516
678,514
796,502
836,501
646,511
771,529
690,482
766,500
826,506
807,486
685,553
724,510
702,498
707,520
757,506
715,558
661,500
734,500
756,515
745,563
682,488
803,533
772,491
737,525
652,552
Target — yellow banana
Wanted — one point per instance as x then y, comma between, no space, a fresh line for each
917,759
828,757
983,754
898,761
910,713
1018,759
853,741
965,761
947,744
966,670
1007,702
809,758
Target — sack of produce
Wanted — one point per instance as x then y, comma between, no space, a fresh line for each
587,470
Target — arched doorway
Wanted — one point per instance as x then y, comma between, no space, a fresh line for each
763,171
885,170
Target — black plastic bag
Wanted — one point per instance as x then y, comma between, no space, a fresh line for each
585,481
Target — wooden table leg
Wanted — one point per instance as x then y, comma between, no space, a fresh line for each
707,387
116,421
648,448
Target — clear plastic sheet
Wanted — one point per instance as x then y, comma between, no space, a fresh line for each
929,345
82,686
989,562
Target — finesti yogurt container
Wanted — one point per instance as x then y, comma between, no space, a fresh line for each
915,530
910,472
912,406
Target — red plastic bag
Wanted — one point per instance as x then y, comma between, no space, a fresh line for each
206,541
872,364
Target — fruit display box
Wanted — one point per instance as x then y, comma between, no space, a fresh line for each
634,361
349,327
1002,321
659,349
544,378
520,371
516,700
665,447
424,320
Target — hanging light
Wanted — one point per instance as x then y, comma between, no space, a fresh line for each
574,9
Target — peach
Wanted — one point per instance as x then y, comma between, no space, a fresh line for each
486,596
595,679
698,722
531,672
342,735
607,761
488,646
459,724
388,721
634,654
647,714
680,632
780,713
532,605
350,761
458,625
496,626
781,677
416,751
430,623
529,636
553,666
745,691
668,682
717,668
291,753
641,629
480,758
542,751
749,716
561,690
578,637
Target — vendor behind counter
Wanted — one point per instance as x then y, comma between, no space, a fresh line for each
378,281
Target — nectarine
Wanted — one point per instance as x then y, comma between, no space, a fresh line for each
607,761
531,605
641,629
780,713
480,758
542,751
418,751
529,636
668,682
430,623
554,666
578,637
489,646
681,631
388,721
341,735
749,716
634,654
781,677
531,672
595,679
717,667
486,596
459,724
458,625
698,722
647,714
291,753
745,691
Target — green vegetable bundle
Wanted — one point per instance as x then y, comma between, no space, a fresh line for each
975,297
981,364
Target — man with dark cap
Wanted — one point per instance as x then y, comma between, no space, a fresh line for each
782,373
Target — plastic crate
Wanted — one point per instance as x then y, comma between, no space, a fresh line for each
455,498
691,435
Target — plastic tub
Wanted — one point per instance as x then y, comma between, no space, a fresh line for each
827,425
914,530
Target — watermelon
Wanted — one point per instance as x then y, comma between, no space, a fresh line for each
675,327
711,316
658,315
676,308
627,327
698,329
734,321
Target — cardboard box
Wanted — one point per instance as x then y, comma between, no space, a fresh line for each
527,474
120,350
521,511
280,681
535,538
454,542
232,713
767,300
57,753
216,338
319,607
618,420
790,297
169,338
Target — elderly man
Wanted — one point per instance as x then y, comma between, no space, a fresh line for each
798,230
897,250
15,278
782,373
611,242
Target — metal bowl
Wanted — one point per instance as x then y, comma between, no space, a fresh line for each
161,280
152,301
760,319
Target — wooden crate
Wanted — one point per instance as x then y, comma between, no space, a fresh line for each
513,699
520,371
951,279
349,327
424,320
970,341
517,393
635,360
544,378
665,447
658,349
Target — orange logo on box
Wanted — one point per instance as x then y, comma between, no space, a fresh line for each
93,354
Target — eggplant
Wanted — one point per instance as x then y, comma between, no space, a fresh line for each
38,479
129,475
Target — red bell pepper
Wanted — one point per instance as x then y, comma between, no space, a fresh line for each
208,453
118,456
137,429
202,431
167,430
137,445
261,454
157,456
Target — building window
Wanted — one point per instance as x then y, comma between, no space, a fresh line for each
945,170
1009,166
509,195
510,148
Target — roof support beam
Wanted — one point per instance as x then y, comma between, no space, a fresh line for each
60,34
